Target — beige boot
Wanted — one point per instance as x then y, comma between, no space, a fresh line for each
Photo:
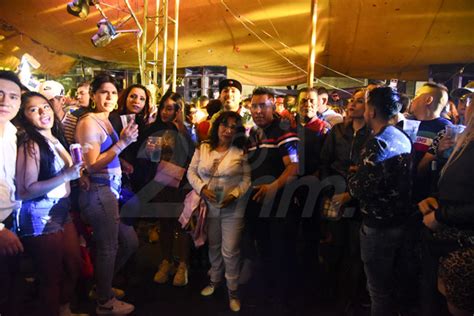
163,273
181,276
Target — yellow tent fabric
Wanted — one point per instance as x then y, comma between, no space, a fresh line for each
261,42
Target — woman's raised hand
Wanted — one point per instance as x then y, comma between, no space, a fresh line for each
129,134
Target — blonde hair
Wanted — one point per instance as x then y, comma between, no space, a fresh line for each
440,95
464,139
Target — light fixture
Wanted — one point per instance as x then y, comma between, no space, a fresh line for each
80,8
105,34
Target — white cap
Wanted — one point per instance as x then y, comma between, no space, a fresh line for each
459,92
51,89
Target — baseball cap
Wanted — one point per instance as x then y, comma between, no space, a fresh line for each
459,92
51,89
230,83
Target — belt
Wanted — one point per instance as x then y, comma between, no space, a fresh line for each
106,181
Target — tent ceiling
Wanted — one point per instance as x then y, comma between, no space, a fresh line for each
261,42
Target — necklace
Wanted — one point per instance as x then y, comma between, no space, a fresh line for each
53,140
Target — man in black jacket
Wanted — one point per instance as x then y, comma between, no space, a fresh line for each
380,185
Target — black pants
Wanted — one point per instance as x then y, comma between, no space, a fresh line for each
275,241
9,280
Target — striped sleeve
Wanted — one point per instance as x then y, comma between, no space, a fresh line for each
288,146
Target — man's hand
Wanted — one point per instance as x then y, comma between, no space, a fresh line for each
341,199
430,221
262,191
428,205
9,243
444,144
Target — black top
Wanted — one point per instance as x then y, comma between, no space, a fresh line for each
266,149
456,191
342,149
382,181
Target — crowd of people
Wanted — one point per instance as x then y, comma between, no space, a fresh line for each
376,192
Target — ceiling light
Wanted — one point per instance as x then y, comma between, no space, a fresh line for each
105,34
79,8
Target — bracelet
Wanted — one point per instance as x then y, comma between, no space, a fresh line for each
120,149
63,175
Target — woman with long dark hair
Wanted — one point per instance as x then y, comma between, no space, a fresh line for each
219,172
44,170
115,242
176,149
134,104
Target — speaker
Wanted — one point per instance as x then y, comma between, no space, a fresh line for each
203,81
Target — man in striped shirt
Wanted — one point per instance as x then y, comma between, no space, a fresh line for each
273,157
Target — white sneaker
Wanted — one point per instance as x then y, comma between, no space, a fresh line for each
118,293
114,307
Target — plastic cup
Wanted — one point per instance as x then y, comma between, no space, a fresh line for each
154,143
127,119
453,131
76,153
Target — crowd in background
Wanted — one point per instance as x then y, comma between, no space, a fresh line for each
377,188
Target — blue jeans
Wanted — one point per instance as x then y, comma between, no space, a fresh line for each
388,255
43,217
115,241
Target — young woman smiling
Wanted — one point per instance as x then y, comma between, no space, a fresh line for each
44,169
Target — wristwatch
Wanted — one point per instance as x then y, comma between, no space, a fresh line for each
2,226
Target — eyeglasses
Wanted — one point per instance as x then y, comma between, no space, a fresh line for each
261,106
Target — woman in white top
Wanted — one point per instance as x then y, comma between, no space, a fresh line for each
44,169
219,172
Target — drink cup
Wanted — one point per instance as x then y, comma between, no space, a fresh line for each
127,119
453,131
219,192
154,144
331,210
76,153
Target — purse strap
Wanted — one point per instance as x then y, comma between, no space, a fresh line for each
217,166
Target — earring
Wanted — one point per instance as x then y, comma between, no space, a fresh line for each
116,106
93,105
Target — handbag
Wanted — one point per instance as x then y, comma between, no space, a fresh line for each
169,174
194,214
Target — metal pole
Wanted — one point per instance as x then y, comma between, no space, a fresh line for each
139,34
175,51
155,53
312,44
144,38
165,46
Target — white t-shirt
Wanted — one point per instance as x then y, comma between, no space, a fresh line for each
8,152
62,160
